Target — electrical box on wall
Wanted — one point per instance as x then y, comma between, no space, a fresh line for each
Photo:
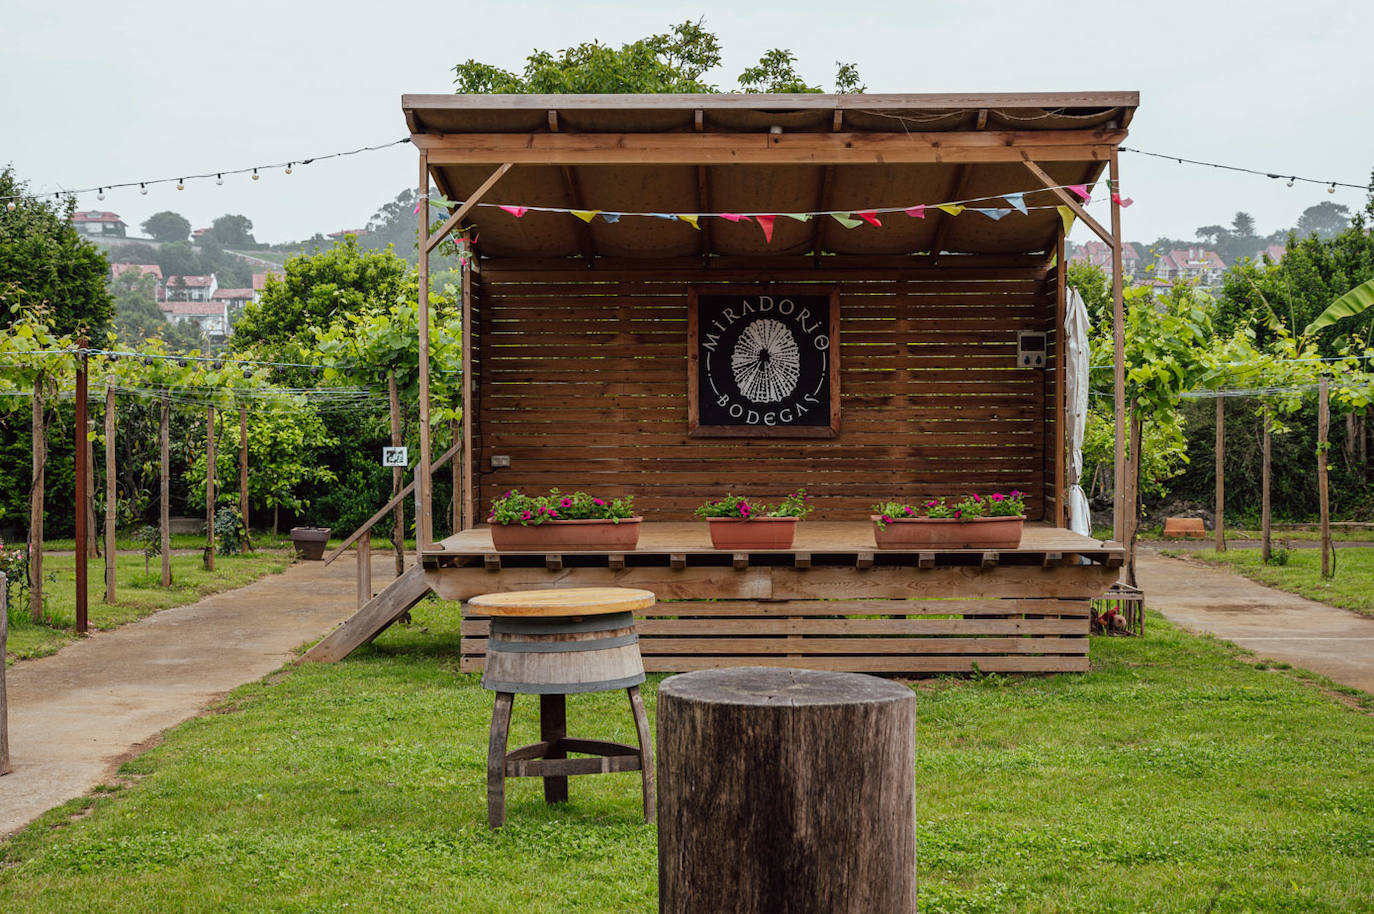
1031,349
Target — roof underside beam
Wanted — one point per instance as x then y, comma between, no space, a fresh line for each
768,149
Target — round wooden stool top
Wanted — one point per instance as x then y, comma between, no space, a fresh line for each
569,601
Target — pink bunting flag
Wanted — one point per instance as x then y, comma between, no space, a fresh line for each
735,217
766,223
1121,201
417,208
516,211
1082,191
916,212
870,217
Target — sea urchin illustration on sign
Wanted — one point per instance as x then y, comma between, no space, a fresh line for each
766,361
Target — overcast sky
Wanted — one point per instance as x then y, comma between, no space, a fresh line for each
100,92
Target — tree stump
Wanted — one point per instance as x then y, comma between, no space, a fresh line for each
786,790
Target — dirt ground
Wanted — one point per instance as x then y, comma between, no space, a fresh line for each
1334,642
77,715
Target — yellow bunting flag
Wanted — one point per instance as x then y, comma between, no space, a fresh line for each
953,209
586,215
690,219
1066,215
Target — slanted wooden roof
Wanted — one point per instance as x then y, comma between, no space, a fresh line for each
762,154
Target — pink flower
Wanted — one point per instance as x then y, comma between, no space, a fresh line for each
598,502
567,502
553,512
543,509
998,496
932,503
525,515
958,513
886,519
976,498
744,508
1017,493
907,509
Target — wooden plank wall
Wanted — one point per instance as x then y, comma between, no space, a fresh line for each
860,636
582,384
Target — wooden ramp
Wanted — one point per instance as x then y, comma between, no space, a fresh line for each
373,618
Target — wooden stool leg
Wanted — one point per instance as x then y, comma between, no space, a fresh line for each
646,752
496,760
553,726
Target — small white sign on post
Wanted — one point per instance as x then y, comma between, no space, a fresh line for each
395,457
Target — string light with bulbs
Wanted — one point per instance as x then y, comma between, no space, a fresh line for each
1291,179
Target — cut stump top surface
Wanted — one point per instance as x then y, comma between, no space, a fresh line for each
782,687
568,601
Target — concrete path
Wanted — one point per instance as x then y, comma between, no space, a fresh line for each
1336,643
77,715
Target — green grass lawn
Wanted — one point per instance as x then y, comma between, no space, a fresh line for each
1177,776
1351,588
1151,534
138,594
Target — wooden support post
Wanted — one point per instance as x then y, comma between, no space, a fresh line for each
364,569
81,452
165,489
469,420
92,537
775,746
1118,369
243,478
398,523
1323,495
455,431
210,488
111,515
1061,399
40,460
1266,527
1133,464
424,485
4,699
1220,523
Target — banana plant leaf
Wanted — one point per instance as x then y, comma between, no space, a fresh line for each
1356,301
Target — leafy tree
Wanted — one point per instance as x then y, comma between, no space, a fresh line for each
1234,242
167,226
232,231
179,258
45,265
137,315
1325,220
1091,283
776,71
318,289
132,252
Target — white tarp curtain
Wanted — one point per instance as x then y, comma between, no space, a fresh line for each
1076,361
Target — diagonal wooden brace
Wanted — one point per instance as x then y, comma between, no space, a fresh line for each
1069,201
452,221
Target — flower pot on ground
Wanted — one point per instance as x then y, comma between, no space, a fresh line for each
564,522
310,542
739,524
976,522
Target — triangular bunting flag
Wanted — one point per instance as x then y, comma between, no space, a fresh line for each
1018,203
916,212
516,211
611,217
1082,191
586,215
690,219
800,217
669,216
953,209
766,223
1121,201
735,217
1066,216
991,212
870,217
846,221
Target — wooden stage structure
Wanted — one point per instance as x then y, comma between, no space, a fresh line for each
590,328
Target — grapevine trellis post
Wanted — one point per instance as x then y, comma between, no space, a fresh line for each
4,699
243,475
1266,528
1323,493
81,453
110,514
210,488
40,457
1220,522
165,489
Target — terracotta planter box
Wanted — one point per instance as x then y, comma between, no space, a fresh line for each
568,536
310,542
949,533
733,535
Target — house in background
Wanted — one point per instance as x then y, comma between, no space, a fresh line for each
260,281
190,288
1272,253
1196,265
1098,254
209,317
233,301
99,223
140,269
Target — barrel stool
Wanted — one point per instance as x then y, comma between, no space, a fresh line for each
551,643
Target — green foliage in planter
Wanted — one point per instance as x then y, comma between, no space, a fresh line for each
797,505
517,508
